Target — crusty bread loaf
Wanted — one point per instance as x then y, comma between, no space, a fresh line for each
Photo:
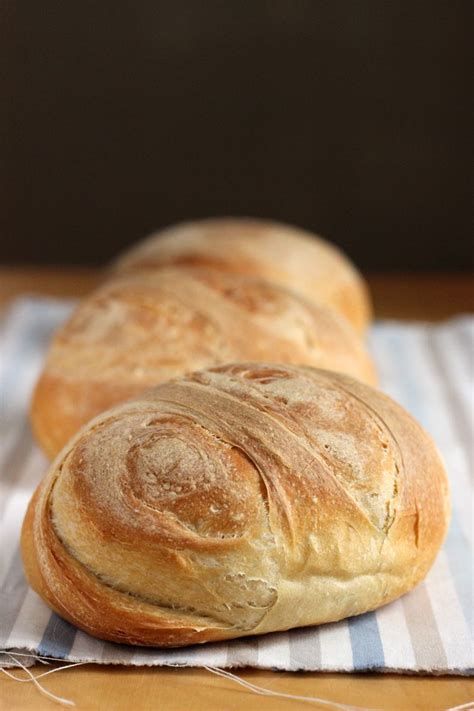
240,500
141,329
285,255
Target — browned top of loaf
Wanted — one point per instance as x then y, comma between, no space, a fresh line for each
281,253
141,329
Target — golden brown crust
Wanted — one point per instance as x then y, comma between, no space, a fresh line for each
240,500
280,253
139,330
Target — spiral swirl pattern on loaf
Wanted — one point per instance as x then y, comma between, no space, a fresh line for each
239,500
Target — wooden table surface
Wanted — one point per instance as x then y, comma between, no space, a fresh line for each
409,296
94,688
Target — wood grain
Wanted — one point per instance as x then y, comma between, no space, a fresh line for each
95,688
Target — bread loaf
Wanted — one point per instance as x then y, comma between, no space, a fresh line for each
285,255
240,500
139,330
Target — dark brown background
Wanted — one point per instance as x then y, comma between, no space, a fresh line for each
350,118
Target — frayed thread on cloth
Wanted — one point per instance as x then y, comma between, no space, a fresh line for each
222,673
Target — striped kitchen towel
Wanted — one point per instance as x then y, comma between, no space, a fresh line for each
427,368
